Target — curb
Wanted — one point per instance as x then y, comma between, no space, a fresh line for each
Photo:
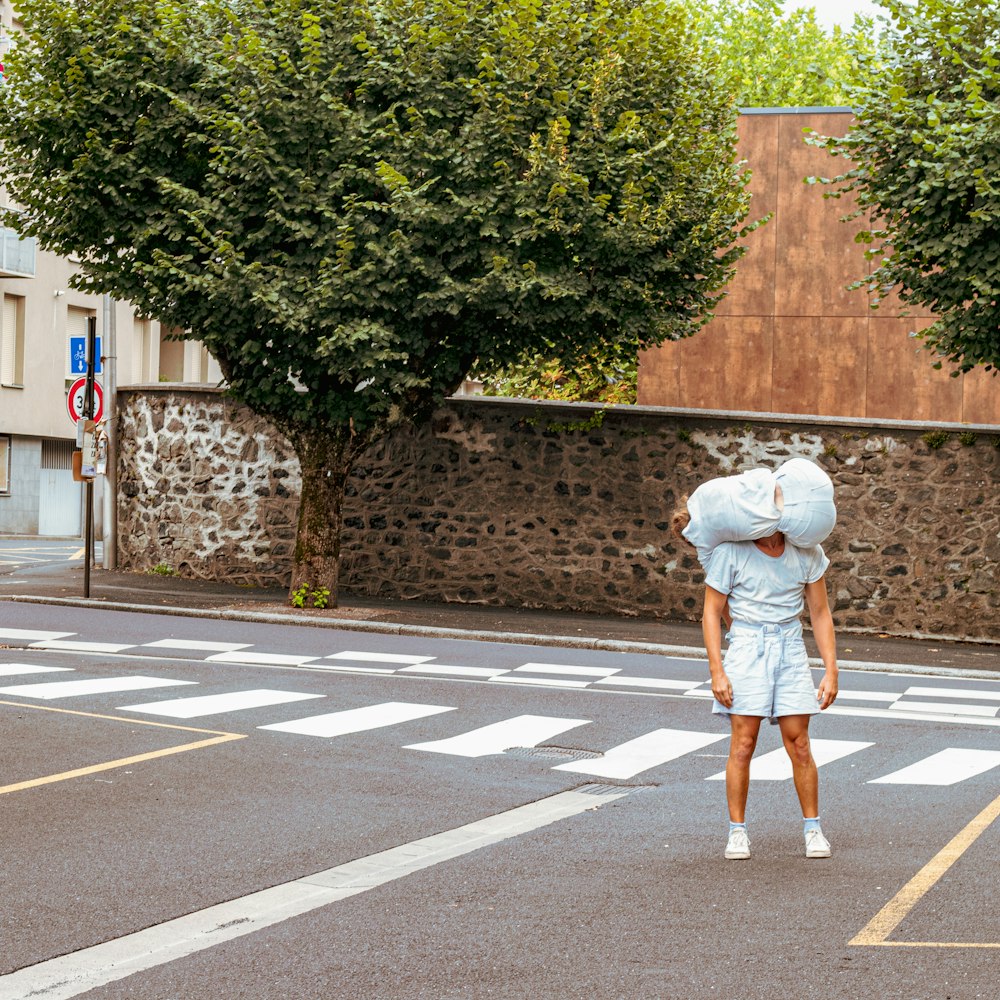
474,635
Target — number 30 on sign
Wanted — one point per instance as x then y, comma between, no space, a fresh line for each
74,401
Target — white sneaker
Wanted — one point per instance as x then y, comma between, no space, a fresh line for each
738,847
817,846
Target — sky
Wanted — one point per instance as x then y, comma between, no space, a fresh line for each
831,12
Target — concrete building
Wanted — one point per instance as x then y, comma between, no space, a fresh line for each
43,322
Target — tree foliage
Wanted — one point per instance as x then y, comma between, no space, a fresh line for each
761,56
352,202
924,154
768,57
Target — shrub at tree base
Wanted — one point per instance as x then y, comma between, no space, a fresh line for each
353,202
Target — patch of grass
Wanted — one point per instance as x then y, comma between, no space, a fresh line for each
163,569
935,439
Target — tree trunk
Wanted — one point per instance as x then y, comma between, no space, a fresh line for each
326,458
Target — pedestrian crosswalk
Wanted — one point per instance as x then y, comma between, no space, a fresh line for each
638,754
966,705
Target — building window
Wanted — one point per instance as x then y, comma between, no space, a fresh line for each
12,341
4,465
142,351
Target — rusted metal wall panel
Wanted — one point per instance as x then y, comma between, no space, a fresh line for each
791,336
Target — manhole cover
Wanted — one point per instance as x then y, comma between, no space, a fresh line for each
551,753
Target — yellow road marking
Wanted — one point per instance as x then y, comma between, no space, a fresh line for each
78,554
878,929
215,738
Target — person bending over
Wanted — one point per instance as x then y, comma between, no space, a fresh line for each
766,584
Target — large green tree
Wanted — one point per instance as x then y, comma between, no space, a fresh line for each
925,153
352,202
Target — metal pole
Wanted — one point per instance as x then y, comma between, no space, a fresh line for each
88,413
110,351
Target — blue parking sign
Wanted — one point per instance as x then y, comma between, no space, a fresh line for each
78,356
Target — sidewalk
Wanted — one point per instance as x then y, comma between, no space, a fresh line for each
63,583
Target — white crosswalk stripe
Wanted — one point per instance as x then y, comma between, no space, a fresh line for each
638,755
357,720
101,685
197,645
447,670
520,731
947,767
566,669
21,669
216,704
538,681
76,646
655,683
945,708
262,659
966,693
31,635
777,766
357,655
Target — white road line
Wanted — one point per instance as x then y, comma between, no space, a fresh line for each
358,720
264,659
969,694
101,685
538,681
19,669
660,684
655,748
80,972
947,767
945,708
519,731
197,645
562,668
31,634
888,697
216,704
452,671
776,766
316,665
864,712
73,645
352,654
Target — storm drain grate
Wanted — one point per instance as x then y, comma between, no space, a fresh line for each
551,753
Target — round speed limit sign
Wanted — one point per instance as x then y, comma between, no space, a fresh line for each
74,401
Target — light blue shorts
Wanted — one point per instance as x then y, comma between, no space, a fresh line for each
768,668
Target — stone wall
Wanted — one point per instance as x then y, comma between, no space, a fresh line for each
564,506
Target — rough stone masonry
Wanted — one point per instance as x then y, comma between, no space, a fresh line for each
566,506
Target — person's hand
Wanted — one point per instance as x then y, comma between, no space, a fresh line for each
827,693
722,689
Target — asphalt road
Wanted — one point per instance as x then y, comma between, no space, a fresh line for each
535,822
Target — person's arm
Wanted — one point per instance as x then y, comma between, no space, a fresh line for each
716,607
826,640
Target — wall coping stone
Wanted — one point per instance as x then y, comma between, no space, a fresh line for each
562,406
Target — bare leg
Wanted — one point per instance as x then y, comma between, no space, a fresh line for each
741,748
795,735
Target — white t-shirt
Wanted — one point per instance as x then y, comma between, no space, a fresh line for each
763,589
